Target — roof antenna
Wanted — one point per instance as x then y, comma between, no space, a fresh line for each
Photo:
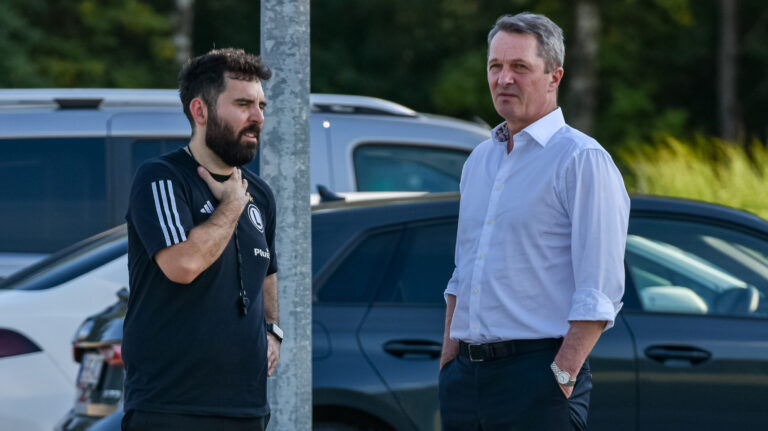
327,195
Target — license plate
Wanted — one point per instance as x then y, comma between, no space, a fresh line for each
91,369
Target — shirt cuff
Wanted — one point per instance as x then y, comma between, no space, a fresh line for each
593,305
447,292
453,285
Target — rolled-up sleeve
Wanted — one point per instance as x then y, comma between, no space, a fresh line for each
598,206
453,284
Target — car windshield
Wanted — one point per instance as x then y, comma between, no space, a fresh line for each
70,262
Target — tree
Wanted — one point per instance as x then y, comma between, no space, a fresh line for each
727,71
582,66
183,24
86,43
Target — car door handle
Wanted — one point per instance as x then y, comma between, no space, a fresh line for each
672,355
403,348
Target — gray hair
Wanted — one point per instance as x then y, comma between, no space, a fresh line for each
549,36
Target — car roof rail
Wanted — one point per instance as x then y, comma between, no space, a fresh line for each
87,98
93,98
347,104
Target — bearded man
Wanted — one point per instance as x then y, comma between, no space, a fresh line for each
200,335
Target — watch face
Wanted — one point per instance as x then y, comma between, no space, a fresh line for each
563,377
271,327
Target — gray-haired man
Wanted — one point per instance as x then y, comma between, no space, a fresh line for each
539,252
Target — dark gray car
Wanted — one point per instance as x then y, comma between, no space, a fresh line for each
688,348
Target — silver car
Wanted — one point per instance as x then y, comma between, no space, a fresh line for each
67,156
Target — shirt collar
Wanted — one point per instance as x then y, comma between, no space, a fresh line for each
540,131
500,134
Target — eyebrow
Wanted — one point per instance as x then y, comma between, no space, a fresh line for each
245,99
514,60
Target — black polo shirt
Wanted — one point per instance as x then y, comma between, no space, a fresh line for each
186,348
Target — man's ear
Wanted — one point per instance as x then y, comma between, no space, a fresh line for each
199,111
557,76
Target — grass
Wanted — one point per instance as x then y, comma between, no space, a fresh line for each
706,169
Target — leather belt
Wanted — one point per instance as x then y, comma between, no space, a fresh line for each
504,349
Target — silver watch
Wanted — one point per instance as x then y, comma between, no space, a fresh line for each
562,377
275,330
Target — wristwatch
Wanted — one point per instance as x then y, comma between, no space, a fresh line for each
275,330
563,377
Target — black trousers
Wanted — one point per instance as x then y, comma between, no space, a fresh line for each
515,393
136,420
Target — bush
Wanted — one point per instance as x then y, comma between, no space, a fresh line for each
706,169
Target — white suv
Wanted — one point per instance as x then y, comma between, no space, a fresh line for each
68,156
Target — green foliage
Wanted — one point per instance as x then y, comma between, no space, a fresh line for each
428,55
705,169
656,65
656,70
225,23
86,43
454,92
753,91
16,35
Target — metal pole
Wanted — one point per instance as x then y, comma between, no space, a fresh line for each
285,166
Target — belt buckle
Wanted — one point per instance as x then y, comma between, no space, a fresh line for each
469,351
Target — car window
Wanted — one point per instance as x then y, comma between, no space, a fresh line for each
54,192
382,167
697,268
145,149
423,264
358,275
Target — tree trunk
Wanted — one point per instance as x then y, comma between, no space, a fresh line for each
728,109
182,37
582,66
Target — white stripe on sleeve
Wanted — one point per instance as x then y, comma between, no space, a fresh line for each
168,213
175,212
160,215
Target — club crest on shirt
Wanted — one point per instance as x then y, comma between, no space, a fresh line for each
255,216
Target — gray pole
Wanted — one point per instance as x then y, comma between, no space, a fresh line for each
285,167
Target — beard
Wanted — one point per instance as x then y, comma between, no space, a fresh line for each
227,145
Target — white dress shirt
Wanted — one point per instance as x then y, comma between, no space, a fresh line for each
541,235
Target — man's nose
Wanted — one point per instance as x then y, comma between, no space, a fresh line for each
256,115
506,76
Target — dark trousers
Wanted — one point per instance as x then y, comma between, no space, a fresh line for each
515,393
135,420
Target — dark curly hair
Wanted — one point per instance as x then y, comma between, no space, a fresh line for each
203,76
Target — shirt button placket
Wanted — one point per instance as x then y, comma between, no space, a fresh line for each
480,261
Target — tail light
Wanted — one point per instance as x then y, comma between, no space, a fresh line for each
81,335
14,344
112,354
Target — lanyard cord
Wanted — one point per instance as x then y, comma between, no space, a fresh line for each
243,301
